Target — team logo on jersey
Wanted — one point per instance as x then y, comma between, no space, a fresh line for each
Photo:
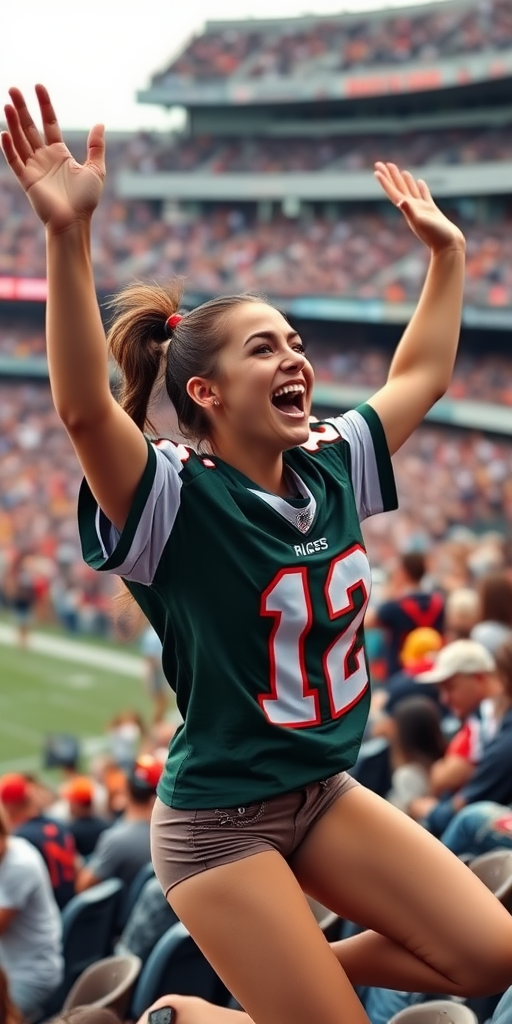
303,520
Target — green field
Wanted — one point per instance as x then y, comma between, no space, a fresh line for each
62,686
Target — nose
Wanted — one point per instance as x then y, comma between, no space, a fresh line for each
292,360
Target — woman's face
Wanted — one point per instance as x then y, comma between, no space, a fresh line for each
264,382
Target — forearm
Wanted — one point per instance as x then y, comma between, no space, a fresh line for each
429,343
77,351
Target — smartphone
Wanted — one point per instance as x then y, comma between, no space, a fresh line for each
166,1015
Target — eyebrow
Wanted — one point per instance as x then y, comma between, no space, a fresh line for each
270,336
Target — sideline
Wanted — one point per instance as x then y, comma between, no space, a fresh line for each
74,651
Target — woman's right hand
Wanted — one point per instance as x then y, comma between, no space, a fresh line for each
62,191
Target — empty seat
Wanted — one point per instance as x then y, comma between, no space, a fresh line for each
109,983
440,1011
495,871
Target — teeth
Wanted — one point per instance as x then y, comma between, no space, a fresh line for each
299,388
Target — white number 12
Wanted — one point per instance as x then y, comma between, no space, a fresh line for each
292,702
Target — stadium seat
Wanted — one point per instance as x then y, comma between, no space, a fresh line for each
440,1011
176,965
495,870
87,930
108,983
134,890
372,768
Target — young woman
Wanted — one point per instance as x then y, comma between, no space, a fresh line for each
248,561
417,742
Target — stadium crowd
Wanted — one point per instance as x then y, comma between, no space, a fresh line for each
266,155
363,255
327,45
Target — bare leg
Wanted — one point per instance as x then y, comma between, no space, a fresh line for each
434,925
253,923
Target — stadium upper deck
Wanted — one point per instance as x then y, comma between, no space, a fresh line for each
313,58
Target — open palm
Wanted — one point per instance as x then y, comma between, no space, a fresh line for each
413,198
61,190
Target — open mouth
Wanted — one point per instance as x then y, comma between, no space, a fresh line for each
289,399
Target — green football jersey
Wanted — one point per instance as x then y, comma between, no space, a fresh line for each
259,602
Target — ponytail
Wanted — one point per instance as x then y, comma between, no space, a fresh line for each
136,339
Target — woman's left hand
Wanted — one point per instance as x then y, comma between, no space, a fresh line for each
424,218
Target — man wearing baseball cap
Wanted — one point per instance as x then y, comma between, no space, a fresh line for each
124,848
53,840
465,673
84,824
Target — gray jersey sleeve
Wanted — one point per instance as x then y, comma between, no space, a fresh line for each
135,552
370,462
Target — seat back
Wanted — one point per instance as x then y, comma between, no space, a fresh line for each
109,983
176,965
495,870
373,768
131,896
87,930
440,1011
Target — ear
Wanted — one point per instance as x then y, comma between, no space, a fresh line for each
202,392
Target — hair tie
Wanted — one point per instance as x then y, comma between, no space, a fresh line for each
172,322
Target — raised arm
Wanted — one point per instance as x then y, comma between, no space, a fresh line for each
422,366
64,194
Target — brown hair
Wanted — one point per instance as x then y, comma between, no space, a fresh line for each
495,592
503,657
413,563
137,334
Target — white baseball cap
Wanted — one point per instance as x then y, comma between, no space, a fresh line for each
465,656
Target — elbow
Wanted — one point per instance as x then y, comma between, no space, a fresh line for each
78,420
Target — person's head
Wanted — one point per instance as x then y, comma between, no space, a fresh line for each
495,593
504,668
417,732
461,613
143,779
16,798
409,569
464,672
419,644
223,368
79,793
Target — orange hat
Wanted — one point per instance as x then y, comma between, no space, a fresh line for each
418,643
79,791
14,789
146,772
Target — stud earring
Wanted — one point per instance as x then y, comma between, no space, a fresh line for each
216,401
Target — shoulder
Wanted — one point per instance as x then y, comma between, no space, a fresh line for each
22,856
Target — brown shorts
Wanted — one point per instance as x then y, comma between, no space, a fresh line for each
184,843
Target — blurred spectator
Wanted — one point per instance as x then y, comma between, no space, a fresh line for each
157,685
21,595
125,732
53,841
495,619
461,613
84,825
9,1013
416,743
410,605
148,921
30,926
492,778
479,828
125,847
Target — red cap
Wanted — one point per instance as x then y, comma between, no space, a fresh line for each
79,791
146,771
13,789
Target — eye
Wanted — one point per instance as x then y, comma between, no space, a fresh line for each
299,347
264,348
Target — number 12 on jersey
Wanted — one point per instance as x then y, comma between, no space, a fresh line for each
292,701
